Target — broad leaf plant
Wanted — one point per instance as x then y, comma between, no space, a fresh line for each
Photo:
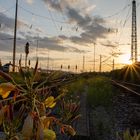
27,110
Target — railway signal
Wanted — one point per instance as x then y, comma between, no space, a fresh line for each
26,53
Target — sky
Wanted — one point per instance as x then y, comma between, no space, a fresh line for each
61,32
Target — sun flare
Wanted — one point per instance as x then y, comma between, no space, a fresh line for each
126,60
130,62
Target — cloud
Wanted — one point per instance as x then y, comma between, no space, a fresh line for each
92,28
41,58
54,4
60,5
6,43
117,54
109,44
29,1
8,23
39,30
53,44
89,9
76,50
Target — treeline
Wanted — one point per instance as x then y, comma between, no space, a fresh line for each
129,73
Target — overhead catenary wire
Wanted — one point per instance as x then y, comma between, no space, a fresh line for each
51,16
128,5
45,17
106,59
127,18
65,22
124,24
52,19
41,16
117,13
58,21
125,21
48,18
64,18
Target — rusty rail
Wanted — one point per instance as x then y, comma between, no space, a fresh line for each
123,85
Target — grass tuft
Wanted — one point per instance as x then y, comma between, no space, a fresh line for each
100,92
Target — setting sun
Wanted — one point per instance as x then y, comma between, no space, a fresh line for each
69,69
130,62
126,59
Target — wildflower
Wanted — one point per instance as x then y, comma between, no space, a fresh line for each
50,102
5,89
49,134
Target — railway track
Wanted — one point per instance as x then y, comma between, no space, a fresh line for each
130,87
127,112
128,105
84,126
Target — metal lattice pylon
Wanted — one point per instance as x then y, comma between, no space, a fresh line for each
134,33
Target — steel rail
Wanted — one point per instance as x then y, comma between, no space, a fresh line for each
131,84
125,87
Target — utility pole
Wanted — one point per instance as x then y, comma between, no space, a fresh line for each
100,66
15,36
0,63
20,59
134,33
61,66
48,61
83,63
68,68
94,59
76,68
37,49
113,65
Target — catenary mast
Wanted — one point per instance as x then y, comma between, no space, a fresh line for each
134,33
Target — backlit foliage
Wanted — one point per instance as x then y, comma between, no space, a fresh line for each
28,111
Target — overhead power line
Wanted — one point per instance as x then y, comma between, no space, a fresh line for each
51,16
44,17
106,59
120,11
124,24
